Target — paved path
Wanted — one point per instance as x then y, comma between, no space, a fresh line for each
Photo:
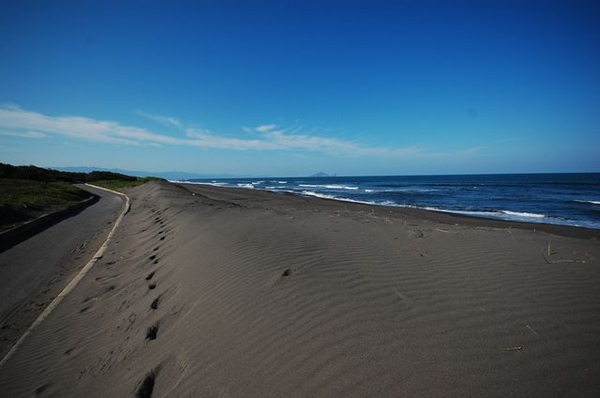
33,272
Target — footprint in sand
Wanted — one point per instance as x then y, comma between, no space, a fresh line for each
153,257
41,389
150,275
85,309
152,332
147,387
154,304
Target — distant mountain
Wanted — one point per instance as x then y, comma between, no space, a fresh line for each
169,175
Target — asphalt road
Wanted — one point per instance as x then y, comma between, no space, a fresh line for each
33,272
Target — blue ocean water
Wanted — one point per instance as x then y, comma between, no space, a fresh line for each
565,199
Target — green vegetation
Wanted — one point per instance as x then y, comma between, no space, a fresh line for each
34,173
22,200
117,185
48,175
27,192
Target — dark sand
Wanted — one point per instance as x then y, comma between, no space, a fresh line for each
212,292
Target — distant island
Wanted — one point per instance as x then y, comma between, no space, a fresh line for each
320,174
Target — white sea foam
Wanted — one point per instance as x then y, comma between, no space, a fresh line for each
501,214
592,202
364,202
212,184
318,195
240,185
522,214
329,186
401,189
485,214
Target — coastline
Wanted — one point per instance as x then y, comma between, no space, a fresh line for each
442,216
209,291
558,199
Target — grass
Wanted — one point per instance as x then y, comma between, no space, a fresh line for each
118,185
550,250
25,199
21,200
27,192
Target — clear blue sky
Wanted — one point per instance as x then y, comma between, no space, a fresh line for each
288,88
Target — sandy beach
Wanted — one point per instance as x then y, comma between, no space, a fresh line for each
214,292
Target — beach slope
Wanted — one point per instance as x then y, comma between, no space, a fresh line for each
215,292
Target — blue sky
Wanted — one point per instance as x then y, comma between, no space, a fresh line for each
290,88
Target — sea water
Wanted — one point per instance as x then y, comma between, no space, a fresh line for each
564,199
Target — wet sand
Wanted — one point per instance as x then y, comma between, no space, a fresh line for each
209,291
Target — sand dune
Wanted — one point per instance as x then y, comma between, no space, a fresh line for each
211,292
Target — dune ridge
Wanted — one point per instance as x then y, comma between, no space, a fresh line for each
207,291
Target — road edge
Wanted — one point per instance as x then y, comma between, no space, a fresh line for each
98,255
22,232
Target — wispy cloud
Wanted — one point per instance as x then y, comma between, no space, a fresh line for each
295,137
267,137
20,121
166,120
23,134
265,128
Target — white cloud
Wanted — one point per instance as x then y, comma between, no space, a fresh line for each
166,120
23,134
294,138
265,128
23,123
204,139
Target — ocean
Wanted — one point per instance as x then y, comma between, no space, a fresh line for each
564,199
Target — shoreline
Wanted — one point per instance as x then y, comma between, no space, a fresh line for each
434,215
458,213
208,291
